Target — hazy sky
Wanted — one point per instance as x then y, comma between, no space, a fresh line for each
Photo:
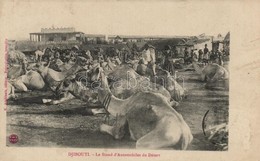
117,17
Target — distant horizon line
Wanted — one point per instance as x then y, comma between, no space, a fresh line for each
134,36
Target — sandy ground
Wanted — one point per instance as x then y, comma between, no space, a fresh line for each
69,125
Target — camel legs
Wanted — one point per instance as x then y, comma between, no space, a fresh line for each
218,75
11,93
117,130
67,96
96,111
165,134
20,86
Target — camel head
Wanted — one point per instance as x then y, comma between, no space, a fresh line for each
65,86
81,61
161,77
76,88
39,67
94,73
176,90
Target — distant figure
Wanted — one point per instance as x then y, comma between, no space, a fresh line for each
205,59
47,54
206,50
214,56
100,55
124,56
56,62
220,59
195,54
88,56
200,55
175,52
187,56
168,60
148,56
38,55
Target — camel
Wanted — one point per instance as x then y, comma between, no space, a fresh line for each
165,79
17,64
38,55
32,80
151,120
213,74
10,91
53,78
66,66
16,70
16,57
121,88
125,82
80,91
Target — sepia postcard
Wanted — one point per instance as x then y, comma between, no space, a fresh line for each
134,80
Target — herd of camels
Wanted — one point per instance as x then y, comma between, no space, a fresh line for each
145,110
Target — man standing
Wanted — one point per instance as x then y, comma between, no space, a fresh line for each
186,55
168,61
38,55
206,50
206,55
148,56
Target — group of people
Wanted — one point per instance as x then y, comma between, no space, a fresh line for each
204,56
148,55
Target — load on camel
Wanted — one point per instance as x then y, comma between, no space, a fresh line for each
53,78
146,116
213,74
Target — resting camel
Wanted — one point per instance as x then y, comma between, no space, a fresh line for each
32,80
53,78
16,70
125,82
213,74
10,91
151,120
89,80
165,79
16,57
17,64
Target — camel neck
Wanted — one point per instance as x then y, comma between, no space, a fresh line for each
80,91
116,105
73,69
104,88
44,72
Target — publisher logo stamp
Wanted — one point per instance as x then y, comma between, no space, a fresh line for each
13,138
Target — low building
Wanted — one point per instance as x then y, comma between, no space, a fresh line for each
95,39
195,43
57,35
217,42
